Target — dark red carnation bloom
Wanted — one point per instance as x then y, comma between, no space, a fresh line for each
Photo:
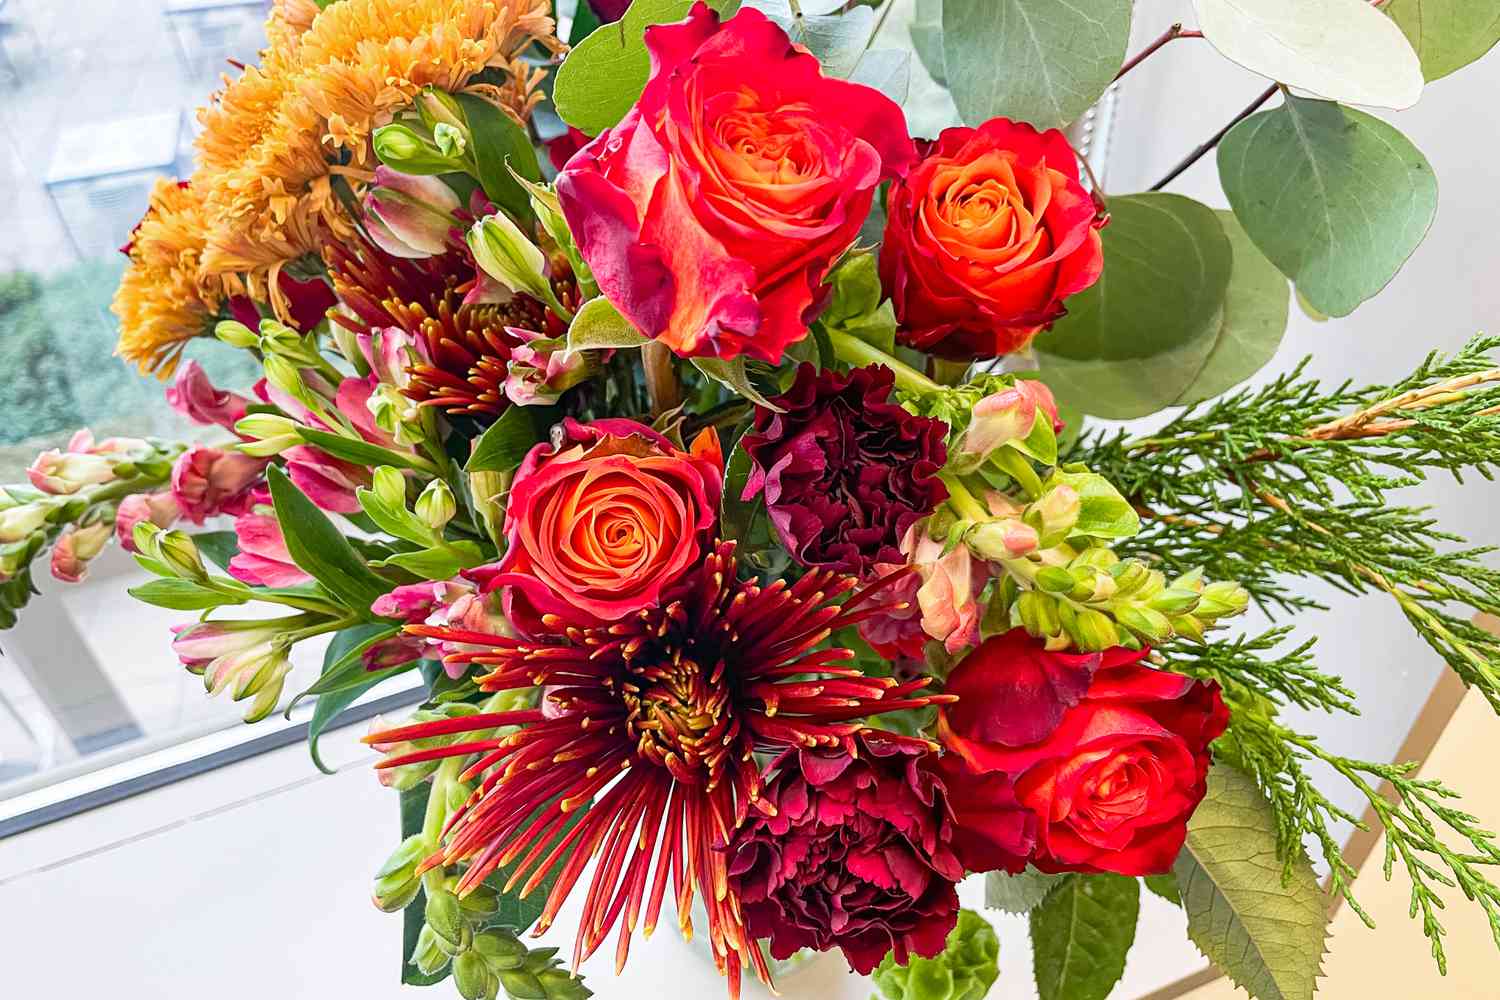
858,854
845,470
1110,756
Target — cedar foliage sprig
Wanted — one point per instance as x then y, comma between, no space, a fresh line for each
1292,480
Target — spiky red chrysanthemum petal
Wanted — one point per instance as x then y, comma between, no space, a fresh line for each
659,716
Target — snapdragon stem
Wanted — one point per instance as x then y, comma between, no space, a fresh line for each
854,351
961,500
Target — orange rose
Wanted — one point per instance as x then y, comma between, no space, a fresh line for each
601,521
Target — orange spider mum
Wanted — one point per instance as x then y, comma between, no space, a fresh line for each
161,303
656,719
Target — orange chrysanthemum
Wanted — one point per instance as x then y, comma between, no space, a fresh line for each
161,302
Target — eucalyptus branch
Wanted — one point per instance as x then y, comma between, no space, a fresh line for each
1172,33
1213,140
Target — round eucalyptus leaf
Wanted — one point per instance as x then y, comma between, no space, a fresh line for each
1036,61
1344,50
1447,34
1336,198
1252,319
1135,341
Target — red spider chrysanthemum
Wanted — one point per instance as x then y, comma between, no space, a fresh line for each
464,349
656,719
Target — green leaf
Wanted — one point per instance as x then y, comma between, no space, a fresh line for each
836,39
1037,61
499,145
1336,198
1267,934
736,376
736,515
351,450
1018,893
885,70
1252,319
439,562
927,38
218,546
183,595
1164,886
393,520
344,679
319,549
504,443
604,75
1080,935
1103,512
1134,341
1344,50
598,325
1447,34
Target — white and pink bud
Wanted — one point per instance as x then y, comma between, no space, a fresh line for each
159,509
410,216
75,548
1008,415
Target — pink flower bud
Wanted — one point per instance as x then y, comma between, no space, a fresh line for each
409,216
195,397
159,508
61,473
1008,415
207,481
74,550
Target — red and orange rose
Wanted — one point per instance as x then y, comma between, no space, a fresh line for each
1111,757
601,520
985,238
711,214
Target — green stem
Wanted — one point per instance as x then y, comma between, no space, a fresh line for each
962,501
950,372
852,350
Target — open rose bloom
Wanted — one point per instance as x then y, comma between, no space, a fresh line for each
700,425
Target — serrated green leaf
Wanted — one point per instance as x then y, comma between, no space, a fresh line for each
598,325
1252,319
1080,935
1164,886
1343,50
605,74
183,595
1037,61
735,376
1335,198
505,442
319,549
1447,34
1134,341
500,145
1018,893
1268,936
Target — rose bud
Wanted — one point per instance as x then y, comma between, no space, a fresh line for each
985,238
712,212
410,216
1110,756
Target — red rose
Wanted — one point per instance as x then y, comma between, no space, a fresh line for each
985,238
712,212
601,520
1109,755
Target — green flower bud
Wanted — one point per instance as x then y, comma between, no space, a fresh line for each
236,334
178,551
1055,514
479,904
402,148
1054,580
427,956
1222,599
436,505
397,881
390,486
501,950
473,978
1188,627
1173,601
438,107
1039,614
450,141
445,915
560,984
1004,538
1129,576
1094,632
509,256
522,985
1150,625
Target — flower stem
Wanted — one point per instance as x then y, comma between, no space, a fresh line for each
1213,140
1175,31
852,350
662,387
962,501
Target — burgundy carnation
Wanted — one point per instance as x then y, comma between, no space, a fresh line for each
1111,757
862,852
845,470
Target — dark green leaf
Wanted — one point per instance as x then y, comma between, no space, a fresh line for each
1336,198
218,546
604,75
344,656
319,549
504,443
1037,61
183,595
584,23
497,140
734,375
1135,340
1164,886
1447,34
1265,931
736,515
1081,934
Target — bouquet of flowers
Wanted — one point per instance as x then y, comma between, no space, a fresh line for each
718,454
